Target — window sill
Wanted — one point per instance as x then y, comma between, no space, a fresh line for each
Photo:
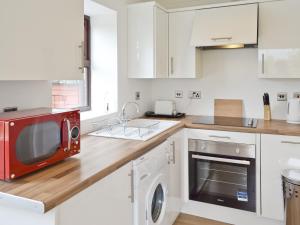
89,118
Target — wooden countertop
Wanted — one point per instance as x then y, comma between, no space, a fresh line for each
100,157
277,127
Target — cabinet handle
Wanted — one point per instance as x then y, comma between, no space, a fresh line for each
81,47
174,152
131,196
222,137
263,63
221,38
290,142
172,65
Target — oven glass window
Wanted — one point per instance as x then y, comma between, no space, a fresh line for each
38,142
157,203
222,183
221,179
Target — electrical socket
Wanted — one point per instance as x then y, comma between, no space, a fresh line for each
137,95
282,97
178,94
195,95
296,95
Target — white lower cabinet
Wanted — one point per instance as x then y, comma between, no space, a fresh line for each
106,202
277,153
175,199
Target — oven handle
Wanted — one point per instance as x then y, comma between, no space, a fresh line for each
67,121
234,161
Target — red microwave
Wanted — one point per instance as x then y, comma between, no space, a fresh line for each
36,138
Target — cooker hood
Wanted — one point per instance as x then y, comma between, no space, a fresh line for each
226,27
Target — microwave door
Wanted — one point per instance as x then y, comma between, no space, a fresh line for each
37,142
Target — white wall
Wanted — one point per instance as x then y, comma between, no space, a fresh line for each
227,74
25,94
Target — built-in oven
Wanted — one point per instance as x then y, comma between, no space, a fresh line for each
222,173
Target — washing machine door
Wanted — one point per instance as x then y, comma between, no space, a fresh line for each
157,201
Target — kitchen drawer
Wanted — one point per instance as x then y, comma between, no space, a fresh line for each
224,136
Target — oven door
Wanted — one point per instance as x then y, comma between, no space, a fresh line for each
222,180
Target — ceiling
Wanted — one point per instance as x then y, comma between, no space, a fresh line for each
184,3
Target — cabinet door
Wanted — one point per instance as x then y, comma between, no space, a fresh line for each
184,59
106,202
161,43
140,40
175,181
279,35
277,153
41,40
225,26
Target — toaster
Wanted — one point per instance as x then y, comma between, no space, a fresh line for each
165,107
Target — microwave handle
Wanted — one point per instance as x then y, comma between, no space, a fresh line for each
225,160
67,121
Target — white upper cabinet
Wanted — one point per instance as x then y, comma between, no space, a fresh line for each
41,40
279,35
233,25
184,59
147,41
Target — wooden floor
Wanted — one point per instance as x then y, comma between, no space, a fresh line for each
185,219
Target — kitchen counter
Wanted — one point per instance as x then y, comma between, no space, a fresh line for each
277,127
99,157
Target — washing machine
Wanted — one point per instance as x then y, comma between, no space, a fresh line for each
151,177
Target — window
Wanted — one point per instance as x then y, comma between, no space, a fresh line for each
76,93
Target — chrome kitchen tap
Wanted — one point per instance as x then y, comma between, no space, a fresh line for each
123,112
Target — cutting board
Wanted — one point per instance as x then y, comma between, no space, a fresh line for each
229,107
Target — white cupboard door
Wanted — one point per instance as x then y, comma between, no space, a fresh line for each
161,43
40,40
106,202
175,181
279,35
225,26
140,40
183,57
277,153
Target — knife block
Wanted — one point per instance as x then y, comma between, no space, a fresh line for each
267,112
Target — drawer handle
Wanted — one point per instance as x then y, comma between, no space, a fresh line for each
222,137
221,38
290,142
